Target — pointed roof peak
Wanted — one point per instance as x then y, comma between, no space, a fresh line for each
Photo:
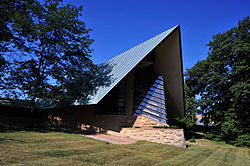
123,63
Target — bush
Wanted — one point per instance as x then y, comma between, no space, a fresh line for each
192,139
210,135
186,122
242,140
213,136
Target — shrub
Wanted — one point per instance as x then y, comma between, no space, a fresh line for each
214,136
187,122
192,139
242,140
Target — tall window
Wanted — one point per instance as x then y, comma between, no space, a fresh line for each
121,98
149,96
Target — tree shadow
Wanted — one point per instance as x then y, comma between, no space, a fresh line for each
189,134
81,91
78,92
8,128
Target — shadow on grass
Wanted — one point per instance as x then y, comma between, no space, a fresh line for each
42,129
191,134
194,132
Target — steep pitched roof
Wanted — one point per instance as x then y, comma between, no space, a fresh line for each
122,64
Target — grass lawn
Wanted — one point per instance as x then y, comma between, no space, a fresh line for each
58,148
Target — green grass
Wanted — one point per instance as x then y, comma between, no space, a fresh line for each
58,148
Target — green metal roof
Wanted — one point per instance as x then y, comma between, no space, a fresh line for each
122,64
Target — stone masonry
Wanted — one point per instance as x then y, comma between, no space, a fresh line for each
136,127
143,130
159,135
146,122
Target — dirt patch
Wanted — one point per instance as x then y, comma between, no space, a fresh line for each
112,138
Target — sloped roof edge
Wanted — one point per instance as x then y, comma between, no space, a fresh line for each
125,62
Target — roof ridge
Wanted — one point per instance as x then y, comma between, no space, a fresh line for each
171,29
123,63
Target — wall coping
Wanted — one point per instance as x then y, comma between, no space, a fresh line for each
134,128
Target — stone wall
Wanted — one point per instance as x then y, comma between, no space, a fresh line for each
159,135
146,122
85,120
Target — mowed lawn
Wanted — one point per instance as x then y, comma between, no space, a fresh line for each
58,148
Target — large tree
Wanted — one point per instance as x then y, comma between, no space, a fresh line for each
223,82
53,55
15,20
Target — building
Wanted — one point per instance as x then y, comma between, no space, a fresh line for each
138,89
145,80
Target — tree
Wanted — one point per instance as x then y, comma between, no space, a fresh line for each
223,82
15,19
191,108
54,53
189,120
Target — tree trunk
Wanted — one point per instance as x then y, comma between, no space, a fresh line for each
32,104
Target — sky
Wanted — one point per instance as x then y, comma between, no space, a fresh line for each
119,25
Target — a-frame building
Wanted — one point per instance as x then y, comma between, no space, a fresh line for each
147,79
136,91
143,87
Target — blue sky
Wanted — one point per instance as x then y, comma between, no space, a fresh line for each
121,24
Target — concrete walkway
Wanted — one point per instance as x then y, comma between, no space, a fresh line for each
112,138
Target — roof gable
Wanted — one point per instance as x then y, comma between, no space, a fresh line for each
125,62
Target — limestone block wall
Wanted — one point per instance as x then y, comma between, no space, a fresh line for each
118,122
159,135
137,127
146,122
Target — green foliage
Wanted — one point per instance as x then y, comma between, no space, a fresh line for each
213,135
16,23
189,120
52,59
222,81
242,140
14,27
167,127
160,126
192,140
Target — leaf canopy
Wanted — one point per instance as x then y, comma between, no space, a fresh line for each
48,48
222,81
